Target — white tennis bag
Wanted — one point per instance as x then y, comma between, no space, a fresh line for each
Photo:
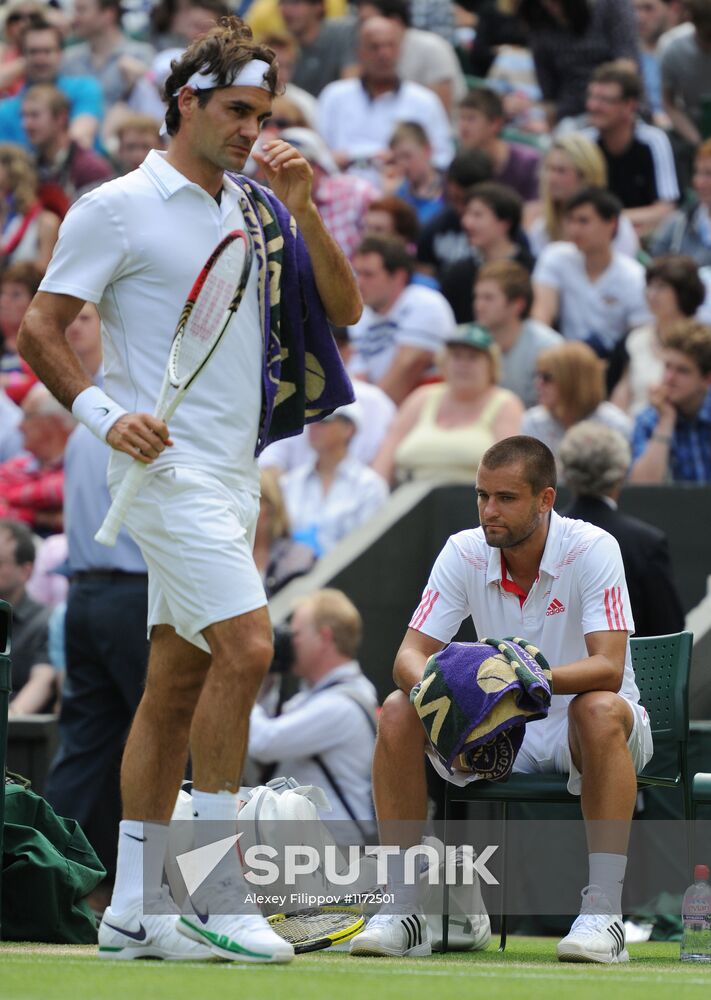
262,815
267,816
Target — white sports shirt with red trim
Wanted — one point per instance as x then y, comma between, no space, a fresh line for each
580,588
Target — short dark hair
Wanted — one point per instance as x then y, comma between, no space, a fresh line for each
486,100
504,202
38,23
624,75
682,276
392,250
537,458
22,536
607,205
222,51
470,166
398,10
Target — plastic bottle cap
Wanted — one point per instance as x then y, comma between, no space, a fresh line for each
701,873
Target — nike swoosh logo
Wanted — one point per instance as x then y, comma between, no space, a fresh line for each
141,840
139,935
102,409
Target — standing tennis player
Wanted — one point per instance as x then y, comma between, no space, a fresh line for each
560,584
134,247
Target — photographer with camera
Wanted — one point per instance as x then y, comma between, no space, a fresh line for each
325,734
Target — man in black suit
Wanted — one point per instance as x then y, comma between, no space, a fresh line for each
594,461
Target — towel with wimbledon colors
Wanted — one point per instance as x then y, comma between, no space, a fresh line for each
475,699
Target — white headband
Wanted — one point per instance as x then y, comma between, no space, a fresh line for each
252,74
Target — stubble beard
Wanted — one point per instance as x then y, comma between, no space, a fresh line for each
509,540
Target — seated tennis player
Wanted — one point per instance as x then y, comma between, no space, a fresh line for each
135,246
560,584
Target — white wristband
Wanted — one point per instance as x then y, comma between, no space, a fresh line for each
97,410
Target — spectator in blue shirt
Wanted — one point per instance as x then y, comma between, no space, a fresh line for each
672,437
42,50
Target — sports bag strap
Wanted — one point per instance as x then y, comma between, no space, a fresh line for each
330,777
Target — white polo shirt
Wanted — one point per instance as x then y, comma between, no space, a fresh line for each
421,317
323,519
134,246
602,310
580,588
352,121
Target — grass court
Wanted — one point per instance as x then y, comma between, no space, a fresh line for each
528,970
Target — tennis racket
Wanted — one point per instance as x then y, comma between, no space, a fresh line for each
208,309
319,928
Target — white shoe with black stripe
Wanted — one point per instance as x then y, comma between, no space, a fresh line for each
394,934
597,935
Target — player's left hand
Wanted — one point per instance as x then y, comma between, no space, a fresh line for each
290,176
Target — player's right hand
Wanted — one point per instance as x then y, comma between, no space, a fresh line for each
140,435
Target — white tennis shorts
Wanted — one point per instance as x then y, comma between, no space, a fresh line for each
546,750
196,536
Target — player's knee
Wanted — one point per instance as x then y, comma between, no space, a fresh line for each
398,721
597,715
249,659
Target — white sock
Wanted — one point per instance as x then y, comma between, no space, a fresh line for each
139,865
608,871
211,808
405,897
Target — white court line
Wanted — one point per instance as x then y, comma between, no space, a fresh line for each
416,970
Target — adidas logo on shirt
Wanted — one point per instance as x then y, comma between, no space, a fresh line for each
556,607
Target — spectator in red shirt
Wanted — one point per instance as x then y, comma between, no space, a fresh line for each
31,486
29,232
66,169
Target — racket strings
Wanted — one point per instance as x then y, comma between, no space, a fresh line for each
206,319
312,926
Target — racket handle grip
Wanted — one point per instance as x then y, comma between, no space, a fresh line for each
125,495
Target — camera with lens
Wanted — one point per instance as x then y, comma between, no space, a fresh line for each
283,650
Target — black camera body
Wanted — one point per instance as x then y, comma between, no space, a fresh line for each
283,650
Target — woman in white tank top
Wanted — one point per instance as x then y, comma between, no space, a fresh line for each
441,431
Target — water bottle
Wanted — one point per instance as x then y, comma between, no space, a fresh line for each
696,918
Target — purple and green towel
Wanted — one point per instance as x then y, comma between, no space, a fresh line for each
475,699
303,378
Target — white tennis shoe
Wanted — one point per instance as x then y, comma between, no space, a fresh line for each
597,935
242,937
395,935
136,934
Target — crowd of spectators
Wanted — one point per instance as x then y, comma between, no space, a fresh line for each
523,188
